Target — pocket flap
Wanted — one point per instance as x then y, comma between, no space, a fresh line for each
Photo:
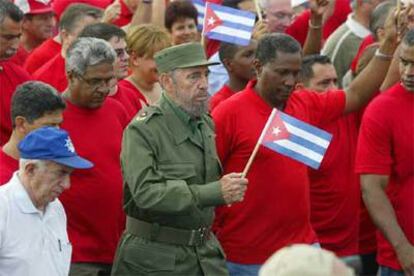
177,170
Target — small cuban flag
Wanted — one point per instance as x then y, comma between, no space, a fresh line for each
200,6
228,24
295,139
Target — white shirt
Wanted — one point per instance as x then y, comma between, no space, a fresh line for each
32,243
218,76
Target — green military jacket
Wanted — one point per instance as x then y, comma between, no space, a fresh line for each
171,172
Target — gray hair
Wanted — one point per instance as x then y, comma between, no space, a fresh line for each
8,9
88,51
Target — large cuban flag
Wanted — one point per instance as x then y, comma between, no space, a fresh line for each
295,139
228,24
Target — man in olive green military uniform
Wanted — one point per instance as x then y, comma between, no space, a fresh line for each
172,176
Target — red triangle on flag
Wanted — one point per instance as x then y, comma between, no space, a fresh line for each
276,130
211,20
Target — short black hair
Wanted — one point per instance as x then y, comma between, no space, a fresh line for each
33,99
270,44
227,51
9,9
177,10
76,12
306,72
103,31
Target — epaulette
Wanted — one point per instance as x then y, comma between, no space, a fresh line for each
145,114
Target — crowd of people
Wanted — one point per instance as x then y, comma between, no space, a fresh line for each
125,137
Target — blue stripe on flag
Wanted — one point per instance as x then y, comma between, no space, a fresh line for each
236,26
228,38
292,154
299,124
305,143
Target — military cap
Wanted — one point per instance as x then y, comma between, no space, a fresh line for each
181,56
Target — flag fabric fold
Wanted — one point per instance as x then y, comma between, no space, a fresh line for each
227,24
295,139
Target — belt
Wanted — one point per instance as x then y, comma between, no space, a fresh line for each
156,232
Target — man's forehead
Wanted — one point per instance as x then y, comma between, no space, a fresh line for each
280,5
9,23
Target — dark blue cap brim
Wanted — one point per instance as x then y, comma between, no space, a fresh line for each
75,162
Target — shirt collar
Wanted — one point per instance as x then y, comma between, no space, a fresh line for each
357,28
21,196
23,199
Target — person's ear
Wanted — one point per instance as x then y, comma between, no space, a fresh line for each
228,65
258,67
166,81
134,59
30,169
21,123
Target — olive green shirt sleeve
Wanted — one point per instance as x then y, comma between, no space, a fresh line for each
147,185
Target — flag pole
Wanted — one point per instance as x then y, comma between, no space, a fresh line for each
259,141
203,40
258,10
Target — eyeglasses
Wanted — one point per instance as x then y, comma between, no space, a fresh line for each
95,82
121,52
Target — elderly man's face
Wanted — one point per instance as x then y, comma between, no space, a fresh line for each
189,89
49,181
278,14
91,89
10,32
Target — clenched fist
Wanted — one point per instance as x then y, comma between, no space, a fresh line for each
233,187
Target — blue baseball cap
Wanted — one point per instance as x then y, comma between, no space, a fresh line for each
54,144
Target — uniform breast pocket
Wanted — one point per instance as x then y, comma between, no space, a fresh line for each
177,171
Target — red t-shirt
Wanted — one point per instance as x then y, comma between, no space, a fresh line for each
42,54
364,44
11,75
128,99
334,190
127,84
8,165
224,93
299,27
385,147
53,72
93,203
275,211
20,57
125,17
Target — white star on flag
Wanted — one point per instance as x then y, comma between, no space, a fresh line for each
211,21
276,131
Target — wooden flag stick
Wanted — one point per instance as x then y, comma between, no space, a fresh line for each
256,147
258,9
